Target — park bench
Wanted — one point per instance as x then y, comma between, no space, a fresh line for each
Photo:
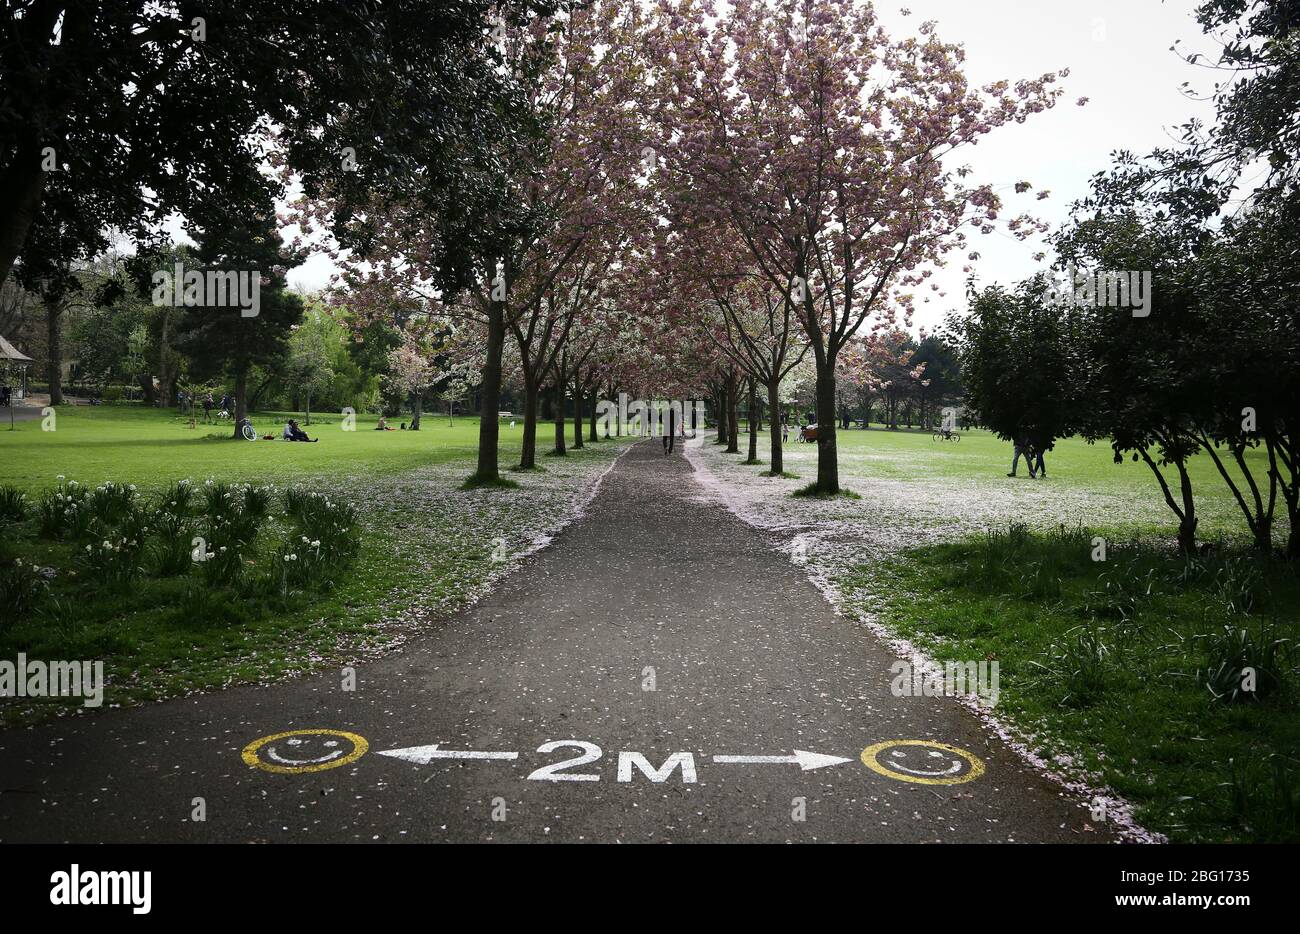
503,416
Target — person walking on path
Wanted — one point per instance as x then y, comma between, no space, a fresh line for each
671,433
207,407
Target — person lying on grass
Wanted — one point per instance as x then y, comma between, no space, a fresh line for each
293,433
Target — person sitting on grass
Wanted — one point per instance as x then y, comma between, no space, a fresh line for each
293,433
383,425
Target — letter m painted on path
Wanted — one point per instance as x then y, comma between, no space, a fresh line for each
628,759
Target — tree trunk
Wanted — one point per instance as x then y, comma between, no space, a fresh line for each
241,399
54,341
20,201
577,413
720,398
591,434
560,424
528,457
1187,527
308,406
828,471
167,370
490,396
417,408
753,430
774,423
733,414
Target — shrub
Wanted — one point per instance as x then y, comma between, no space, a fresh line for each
63,512
173,543
177,498
113,561
1239,583
1078,664
1125,587
326,525
222,562
1231,652
1264,797
256,500
21,587
13,504
110,501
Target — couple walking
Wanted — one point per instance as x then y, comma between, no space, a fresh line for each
1032,451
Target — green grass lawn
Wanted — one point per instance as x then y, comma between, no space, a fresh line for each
1128,666
1071,464
1113,664
424,543
152,446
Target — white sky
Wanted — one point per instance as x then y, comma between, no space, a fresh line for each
1118,53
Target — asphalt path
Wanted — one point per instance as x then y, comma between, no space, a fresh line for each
707,689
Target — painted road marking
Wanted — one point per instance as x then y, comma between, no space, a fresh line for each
423,755
923,761
298,751
807,760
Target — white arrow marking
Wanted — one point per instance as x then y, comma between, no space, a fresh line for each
806,760
423,755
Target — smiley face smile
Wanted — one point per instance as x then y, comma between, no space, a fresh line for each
303,749
922,761
298,751
896,758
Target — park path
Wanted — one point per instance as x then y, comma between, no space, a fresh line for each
654,586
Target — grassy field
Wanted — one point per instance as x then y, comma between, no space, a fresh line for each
1129,668
982,458
425,545
153,447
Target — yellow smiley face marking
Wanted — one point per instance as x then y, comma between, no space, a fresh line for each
922,761
298,751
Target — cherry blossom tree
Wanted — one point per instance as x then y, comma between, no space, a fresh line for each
411,371
823,146
753,325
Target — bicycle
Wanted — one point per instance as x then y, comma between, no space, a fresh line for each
944,434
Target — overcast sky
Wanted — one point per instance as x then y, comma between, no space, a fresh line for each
1118,54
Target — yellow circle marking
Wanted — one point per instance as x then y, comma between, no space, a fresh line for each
251,754
869,759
